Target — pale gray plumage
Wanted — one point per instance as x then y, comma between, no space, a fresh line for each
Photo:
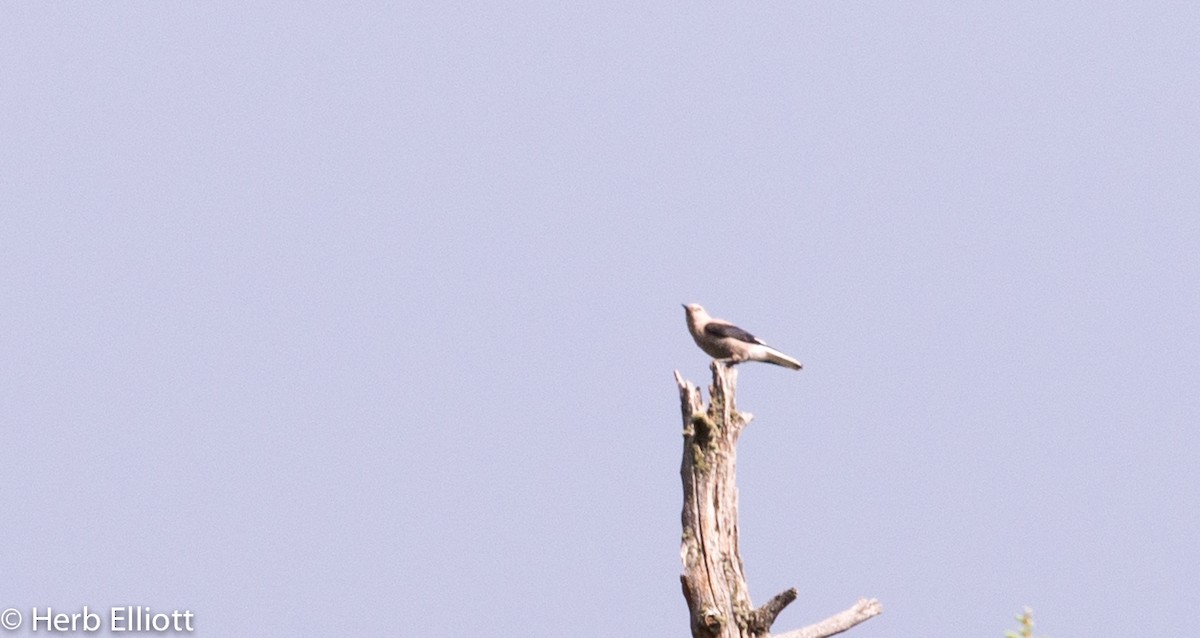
730,344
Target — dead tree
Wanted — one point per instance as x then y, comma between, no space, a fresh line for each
713,582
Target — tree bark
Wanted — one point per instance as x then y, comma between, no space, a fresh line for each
714,583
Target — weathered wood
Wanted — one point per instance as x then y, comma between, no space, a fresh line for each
713,580
863,610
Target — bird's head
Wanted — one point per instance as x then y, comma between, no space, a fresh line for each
694,311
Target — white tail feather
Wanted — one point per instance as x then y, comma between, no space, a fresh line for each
771,355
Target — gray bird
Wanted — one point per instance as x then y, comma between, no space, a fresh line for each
730,344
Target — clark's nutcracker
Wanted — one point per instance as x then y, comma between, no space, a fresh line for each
730,344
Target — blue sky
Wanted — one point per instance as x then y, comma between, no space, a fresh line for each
330,320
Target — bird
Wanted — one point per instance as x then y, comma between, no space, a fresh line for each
730,344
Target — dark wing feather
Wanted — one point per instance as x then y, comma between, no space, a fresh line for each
730,331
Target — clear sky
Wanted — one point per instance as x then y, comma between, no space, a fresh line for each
326,320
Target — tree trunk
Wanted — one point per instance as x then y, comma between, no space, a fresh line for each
713,580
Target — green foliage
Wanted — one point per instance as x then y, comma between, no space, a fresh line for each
1026,629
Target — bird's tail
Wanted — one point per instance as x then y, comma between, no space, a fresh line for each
780,359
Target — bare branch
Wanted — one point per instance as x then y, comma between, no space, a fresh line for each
762,618
863,610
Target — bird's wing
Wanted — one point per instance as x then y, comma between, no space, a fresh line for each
728,330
